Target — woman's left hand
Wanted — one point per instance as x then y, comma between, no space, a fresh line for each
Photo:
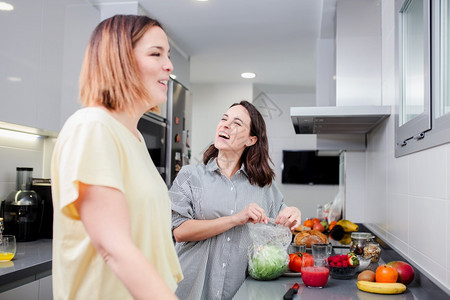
290,217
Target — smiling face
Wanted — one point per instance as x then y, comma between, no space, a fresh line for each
152,58
233,131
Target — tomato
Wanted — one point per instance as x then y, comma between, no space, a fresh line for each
386,273
308,260
295,262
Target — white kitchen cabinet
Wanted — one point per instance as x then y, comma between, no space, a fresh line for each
33,59
45,288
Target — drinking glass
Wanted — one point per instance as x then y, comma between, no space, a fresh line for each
314,274
7,247
294,248
320,253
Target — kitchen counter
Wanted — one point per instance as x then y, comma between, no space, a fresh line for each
420,288
33,261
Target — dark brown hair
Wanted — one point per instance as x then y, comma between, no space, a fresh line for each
256,157
109,75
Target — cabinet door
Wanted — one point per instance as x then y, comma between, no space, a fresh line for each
43,43
45,288
20,33
29,291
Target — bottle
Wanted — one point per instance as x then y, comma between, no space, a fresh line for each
320,212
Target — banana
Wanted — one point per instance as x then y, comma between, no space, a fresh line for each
348,226
381,287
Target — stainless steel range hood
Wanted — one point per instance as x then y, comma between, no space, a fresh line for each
338,119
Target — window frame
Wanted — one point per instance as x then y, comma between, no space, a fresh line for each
414,135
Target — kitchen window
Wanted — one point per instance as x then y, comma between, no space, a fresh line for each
423,118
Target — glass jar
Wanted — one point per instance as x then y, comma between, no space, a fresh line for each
362,244
372,251
359,241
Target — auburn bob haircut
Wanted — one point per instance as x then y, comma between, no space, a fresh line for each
109,74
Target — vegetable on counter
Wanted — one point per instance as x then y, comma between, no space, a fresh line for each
268,262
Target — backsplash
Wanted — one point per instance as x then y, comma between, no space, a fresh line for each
16,152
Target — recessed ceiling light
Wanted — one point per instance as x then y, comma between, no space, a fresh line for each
6,6
202,0
14,79
248,75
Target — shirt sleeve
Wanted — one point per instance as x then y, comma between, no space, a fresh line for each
89,155
182,198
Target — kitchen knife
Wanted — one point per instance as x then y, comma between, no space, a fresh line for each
290,293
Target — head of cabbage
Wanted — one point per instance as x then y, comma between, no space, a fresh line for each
268,262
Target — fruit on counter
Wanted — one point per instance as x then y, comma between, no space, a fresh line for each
347,225
331,225
405,271
352,259
337,233
308,223
325,225
296,261
346,240
386,274
319,227
381,288
367,275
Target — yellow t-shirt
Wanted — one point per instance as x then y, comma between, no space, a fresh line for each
96,149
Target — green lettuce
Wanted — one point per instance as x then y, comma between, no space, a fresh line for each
268,262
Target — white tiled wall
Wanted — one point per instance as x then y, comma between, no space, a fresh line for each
408,198
18,153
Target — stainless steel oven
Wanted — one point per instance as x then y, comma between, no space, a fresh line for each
154,130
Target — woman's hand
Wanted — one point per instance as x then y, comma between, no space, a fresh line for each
290,217
252,213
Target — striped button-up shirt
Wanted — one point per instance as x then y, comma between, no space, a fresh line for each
215,268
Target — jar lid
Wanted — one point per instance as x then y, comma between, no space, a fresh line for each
361,235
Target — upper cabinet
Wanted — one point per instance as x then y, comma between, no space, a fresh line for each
40,63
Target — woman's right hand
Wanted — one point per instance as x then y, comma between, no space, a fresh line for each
252,213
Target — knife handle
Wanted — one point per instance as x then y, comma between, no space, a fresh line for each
289,294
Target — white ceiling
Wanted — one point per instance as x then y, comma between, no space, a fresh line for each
276,39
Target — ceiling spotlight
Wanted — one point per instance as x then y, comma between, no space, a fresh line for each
248,75
6,6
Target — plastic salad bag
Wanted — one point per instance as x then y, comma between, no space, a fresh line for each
267,254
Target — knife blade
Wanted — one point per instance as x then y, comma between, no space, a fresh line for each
290,293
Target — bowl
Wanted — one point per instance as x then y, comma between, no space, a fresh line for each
343,272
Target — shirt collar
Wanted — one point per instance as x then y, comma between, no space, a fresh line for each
212,166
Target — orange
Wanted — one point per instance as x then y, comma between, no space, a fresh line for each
308,223
387,274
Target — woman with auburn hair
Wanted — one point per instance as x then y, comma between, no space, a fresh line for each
112,218
212,203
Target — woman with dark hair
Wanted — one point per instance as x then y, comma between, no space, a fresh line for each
112,218
212,203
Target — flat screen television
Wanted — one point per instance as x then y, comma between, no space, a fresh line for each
307,167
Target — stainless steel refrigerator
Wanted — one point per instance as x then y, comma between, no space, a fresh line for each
178,131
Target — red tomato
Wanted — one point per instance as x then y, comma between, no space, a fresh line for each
299,259
295,262
308,260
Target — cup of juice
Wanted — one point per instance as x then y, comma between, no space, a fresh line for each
7,247
315,276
